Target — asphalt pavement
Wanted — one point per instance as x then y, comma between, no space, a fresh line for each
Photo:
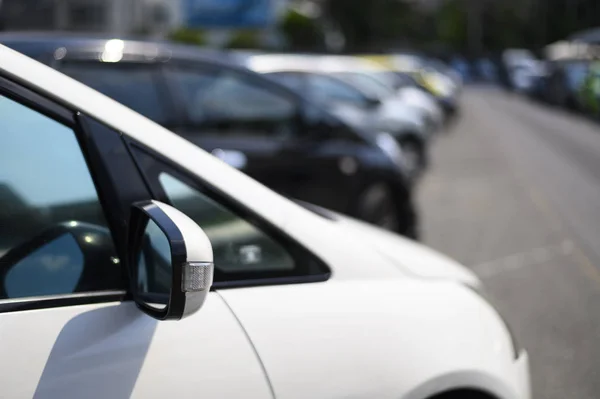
514,193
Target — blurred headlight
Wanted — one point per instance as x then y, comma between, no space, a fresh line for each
390,147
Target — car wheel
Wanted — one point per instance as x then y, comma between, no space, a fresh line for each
463,394
377,206
414,156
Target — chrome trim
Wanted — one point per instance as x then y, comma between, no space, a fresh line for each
79,295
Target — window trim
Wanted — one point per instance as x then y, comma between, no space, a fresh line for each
16,91
294,248
172,114
37,102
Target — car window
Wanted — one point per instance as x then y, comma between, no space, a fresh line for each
133,85
326,89
233,104
238,246
291,80
367,83
53,234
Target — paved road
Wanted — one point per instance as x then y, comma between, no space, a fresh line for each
514,193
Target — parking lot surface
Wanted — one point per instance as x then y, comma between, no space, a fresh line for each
514,193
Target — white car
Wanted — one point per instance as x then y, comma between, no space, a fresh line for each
110,224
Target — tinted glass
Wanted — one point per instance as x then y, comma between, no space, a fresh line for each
293,81
53,236
368,84
233,104
238,246
130,84
326,89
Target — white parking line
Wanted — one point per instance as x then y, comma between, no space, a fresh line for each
535,256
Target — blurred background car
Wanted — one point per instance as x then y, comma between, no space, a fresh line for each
358,97
253,123
564,80
432,75
589,88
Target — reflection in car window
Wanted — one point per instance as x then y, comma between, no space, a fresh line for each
50,210
58,266
289,79
238,246
130,84
368,84
326,89
233,104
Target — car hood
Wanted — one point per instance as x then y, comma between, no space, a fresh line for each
399,116
408,256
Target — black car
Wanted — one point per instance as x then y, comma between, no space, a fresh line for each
564,81
255,124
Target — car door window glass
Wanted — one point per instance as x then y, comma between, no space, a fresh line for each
367,84
325,89
233,104
53,235
238,246
132,85
291,80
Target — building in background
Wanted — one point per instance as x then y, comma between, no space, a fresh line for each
114,17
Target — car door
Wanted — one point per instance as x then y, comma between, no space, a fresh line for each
67,326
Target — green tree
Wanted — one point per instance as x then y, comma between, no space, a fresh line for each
188,36
245,39
302,33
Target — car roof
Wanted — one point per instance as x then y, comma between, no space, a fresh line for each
309,62
95,47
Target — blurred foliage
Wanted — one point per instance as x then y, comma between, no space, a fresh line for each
245,39
188,36
373,24
301,32
387,24
452,24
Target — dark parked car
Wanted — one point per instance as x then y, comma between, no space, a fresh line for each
564,81
351,104
259,126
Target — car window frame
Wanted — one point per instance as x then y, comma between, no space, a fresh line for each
299,253
105,189
173,113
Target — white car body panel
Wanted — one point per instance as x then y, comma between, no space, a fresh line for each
371,330
412,258
308,339
114,350
419,99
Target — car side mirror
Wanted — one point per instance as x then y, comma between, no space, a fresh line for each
170,261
